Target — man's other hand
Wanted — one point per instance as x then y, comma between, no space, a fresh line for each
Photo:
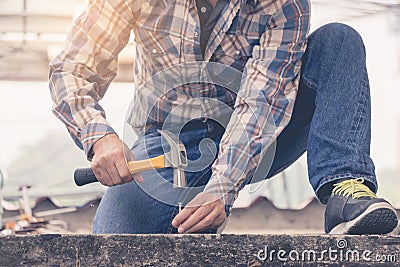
109,162
203,212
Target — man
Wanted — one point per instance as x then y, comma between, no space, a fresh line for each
318,99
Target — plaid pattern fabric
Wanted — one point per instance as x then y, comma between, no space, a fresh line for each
264,40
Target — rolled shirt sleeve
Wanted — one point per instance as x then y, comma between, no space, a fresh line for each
265,101
80,75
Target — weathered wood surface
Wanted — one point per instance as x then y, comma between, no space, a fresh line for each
198,250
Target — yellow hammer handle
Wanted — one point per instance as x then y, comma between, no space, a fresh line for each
146,164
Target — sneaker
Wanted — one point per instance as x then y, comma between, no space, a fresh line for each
354,209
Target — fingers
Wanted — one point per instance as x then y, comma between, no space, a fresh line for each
109,162
129,157
213,220
197,217
113,171
122,169
102,175
106,171
184,214
138,177
127,153
202,218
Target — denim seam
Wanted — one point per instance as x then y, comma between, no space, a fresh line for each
367,104
309,83
357,119
355,130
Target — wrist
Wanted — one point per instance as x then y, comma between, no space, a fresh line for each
92,133
108,138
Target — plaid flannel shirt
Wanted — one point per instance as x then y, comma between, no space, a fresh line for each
265,40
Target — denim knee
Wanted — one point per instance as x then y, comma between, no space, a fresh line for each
325,46
351,39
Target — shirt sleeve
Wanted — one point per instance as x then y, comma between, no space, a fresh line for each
265,101
80,75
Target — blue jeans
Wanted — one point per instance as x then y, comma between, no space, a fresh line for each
331,120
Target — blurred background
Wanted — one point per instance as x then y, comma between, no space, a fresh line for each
37,156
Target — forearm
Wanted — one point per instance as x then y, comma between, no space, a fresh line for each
81,73
265,101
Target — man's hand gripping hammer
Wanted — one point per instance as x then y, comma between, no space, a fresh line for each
175,158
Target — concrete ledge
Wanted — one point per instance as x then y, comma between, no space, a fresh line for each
198,250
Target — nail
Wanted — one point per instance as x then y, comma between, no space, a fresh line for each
181,230
174,223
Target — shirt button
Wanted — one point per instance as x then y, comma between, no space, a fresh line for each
203,9
237,55
154,51
196,34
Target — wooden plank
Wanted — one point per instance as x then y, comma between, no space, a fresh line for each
198,250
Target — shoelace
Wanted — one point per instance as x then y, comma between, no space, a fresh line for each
354,188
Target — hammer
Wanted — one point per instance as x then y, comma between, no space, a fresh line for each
175,158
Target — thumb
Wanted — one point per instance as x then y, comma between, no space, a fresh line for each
129,157
138,177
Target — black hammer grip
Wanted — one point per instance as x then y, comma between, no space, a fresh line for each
84,176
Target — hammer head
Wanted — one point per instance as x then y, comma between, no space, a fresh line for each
176,158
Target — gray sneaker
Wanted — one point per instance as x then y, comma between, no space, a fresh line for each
354,209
